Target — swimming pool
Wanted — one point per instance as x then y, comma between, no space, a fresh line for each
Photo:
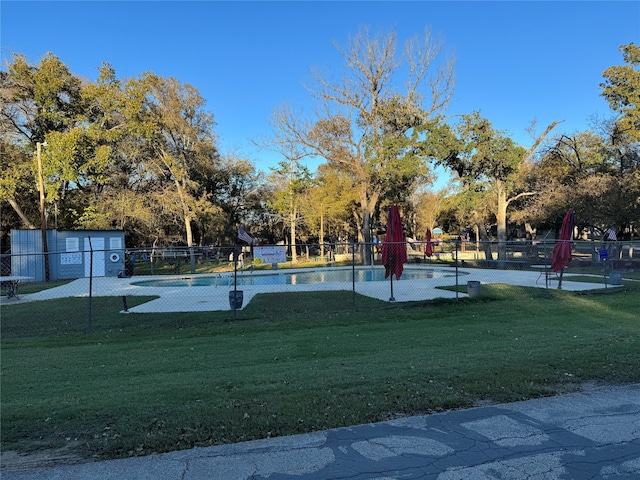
294,278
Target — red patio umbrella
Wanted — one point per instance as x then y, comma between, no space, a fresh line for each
394,249
428,248
561,254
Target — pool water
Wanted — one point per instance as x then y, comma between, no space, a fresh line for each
297,278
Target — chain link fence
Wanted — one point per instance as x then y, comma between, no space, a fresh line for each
248,281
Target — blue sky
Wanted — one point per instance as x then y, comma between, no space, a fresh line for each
515,61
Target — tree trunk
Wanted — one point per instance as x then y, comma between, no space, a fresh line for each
368,205
503,202
501,217
292,229
187,224
486,243
192,253
476,228
530,230
321,239
21,214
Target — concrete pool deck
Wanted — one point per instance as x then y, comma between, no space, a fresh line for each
216,298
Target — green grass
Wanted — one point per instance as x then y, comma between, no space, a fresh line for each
627,279
290,363
33,287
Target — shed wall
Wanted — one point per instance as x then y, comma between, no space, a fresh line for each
70,253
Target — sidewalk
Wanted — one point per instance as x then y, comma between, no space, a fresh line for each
593,434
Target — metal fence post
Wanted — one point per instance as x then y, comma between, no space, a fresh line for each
90,319
546,267
457,283
353,275
235,281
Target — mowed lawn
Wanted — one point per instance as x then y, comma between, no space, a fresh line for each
290,363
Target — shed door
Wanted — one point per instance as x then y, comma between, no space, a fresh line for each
98,257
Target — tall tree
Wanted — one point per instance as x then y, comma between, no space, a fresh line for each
38,103
17,185
365,124
295,180
621,89
489,155
327,204
584,170
299,178
239,191
428,205
180,141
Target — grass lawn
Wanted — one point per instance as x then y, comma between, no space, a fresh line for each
142,383
33,287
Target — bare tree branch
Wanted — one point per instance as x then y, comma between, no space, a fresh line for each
520,195
539,140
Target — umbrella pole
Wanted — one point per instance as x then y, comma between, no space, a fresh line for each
391,299
391,262
570,239
560,281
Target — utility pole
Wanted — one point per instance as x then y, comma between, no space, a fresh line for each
43,215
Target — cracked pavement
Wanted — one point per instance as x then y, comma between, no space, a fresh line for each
587,435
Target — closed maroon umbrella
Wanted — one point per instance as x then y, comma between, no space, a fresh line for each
394,250
428,248
561,254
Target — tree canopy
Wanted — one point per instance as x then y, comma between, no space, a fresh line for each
365,124
141,154
621,89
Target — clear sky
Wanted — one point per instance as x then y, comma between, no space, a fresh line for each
515,61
